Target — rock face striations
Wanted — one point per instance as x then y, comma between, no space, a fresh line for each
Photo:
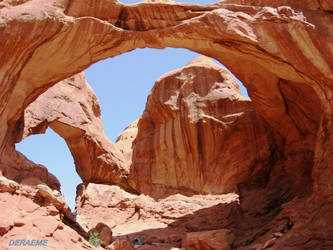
72,110
198,134
281,51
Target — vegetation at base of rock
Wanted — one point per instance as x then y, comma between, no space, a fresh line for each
94,239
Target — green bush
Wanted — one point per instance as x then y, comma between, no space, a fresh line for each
94,239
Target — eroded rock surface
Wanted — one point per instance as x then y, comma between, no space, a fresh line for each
197,133
125,141
72,110
37,213
104,234
281,50
157,222
15,166
216,239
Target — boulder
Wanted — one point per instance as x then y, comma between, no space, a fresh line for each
104,233
120,244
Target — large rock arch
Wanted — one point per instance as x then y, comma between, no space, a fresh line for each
86,32
281,52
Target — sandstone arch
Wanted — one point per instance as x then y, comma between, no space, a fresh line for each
282,55
72,110
79,35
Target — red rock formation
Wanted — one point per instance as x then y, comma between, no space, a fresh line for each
36,213
157,222
306,4
281,52
215,239
104,234
121,244
125,140
18,168
72,110
198,133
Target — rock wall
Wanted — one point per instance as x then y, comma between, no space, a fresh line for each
198,134
281,51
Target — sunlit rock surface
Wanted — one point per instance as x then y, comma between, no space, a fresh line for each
37,213
125,141
162,222
198,134
281,51
72,110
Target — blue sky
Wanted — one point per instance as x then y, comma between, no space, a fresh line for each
122,85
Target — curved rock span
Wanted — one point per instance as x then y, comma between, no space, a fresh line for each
72,110
280,50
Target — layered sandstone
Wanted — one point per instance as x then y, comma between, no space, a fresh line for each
325,5
37,213
198,134
72,110
18,168
163,222
280,51
125,141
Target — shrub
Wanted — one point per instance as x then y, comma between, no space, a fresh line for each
94,239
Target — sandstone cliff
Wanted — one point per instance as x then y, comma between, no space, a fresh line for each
198,134
281,51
